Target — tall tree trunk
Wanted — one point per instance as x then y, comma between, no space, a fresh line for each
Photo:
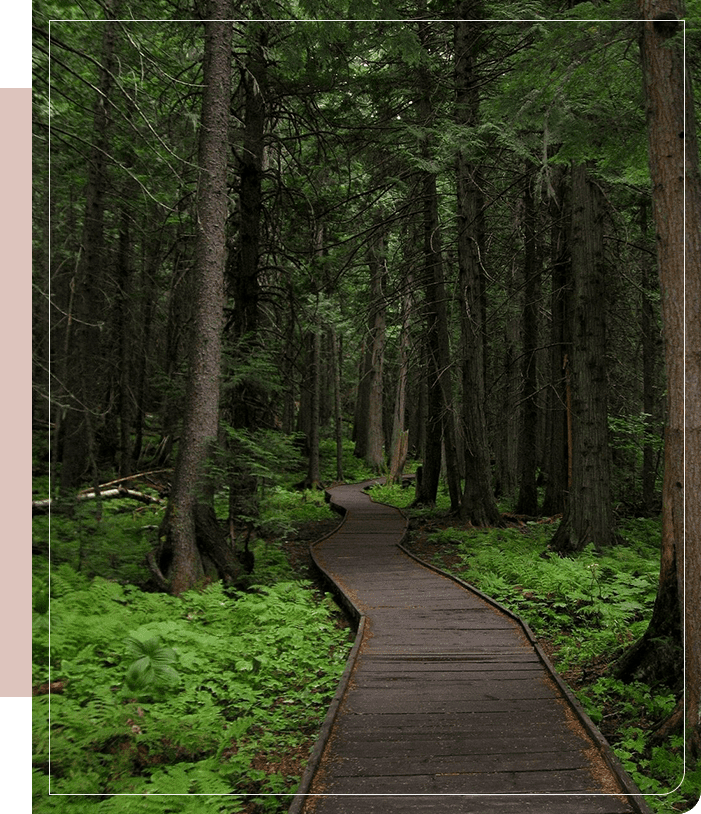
400,439
440,426
369,433
336,359
557,483
151,263
506,440
527,447
178,330
246,401
589,512
313,466
190,502
676,196
86,370
124,333
246,286
288,363
650,332
478,503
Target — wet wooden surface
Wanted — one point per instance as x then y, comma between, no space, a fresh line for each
448,707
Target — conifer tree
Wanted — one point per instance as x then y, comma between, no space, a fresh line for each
189,527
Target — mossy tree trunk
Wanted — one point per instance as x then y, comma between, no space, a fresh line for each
369,433
478,505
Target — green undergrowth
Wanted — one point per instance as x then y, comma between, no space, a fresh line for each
584,604
115,546
586,609
281,511
158,695
157,700
403,497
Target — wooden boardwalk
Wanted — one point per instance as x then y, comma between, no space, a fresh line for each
447,704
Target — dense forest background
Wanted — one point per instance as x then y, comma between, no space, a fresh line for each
400,241
428,231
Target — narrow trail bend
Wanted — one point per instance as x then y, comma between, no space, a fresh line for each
447,704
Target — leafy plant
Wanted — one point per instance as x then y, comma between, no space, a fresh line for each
152,665
254,672
154,694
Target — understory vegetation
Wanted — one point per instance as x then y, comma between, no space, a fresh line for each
219,692
584,610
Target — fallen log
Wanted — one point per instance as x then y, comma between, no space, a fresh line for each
125,478
42,506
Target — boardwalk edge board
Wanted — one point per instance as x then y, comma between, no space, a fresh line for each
630,790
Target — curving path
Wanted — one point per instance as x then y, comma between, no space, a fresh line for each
447,704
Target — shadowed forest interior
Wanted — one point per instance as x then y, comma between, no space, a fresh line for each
304,246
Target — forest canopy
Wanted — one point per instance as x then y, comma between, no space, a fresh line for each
344,224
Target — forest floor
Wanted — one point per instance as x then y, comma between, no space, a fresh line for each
297,547
268,760
623,715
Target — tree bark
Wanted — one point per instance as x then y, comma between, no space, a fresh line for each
400,438
247,400
148,310
313,470
557,457
369,433
245,283
478,505
191,495
651,363
124,331
589,511
676,195
441,437
527,448
506,440
86,370
336,360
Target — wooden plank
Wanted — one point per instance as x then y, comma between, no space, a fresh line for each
486,730
514,707
443,764
417,677
566,781
413,753
451,687
459,661
468,804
